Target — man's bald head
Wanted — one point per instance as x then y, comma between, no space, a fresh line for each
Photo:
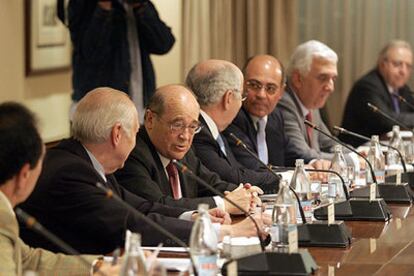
268,61
99,111
210,79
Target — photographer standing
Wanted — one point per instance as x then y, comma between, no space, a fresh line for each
112,41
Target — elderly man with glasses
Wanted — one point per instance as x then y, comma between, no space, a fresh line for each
386,87
218,85
171,120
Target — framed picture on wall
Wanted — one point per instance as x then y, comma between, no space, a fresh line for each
48,45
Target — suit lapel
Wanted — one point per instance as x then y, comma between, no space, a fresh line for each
250,129
162,179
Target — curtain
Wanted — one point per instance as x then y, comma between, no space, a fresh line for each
237,29
234,30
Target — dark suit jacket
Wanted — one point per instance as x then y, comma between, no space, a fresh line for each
359,118
281,151
67,202
144,175
228,168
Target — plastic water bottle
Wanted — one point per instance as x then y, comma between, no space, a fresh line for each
203,243
283,219
377,160
301,184
397,142
339,165
133,261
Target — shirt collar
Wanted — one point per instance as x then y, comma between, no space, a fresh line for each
210,124
255,119
4,198
95,163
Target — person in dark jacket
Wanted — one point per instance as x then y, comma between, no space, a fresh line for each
112,43
381,87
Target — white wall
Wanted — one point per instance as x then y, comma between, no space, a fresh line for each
49,95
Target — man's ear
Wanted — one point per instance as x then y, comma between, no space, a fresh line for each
21,178
226,99
296,79
116,134
149,119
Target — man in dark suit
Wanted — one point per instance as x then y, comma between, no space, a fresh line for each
171,120
382,87
66,199
264,82
217,85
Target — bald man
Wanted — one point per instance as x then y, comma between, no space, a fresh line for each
218,87
264,83
171,120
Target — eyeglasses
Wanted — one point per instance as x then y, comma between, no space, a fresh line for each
178,127
238,93
257,86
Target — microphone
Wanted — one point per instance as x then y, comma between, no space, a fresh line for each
361,208
239,142
34,225
344,145
264,261
391,193
185,170
310,234
111,195
348,132
404,100
385,115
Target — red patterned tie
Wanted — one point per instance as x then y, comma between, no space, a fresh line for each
309,129
174,180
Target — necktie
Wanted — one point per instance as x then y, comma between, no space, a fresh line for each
309,129
395,102
261,140
173,178
221,144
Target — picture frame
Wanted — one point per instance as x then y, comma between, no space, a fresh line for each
48,45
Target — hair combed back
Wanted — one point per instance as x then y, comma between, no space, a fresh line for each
98,112
209,87
304,54
20,141
396,43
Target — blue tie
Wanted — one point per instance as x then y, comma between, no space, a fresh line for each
395,102
261,140
221,144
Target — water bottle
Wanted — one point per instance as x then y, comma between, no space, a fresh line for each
339,165
301,184
283,219
203,243
377,160
397,142
133,261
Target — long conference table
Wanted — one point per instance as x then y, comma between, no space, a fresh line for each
378,248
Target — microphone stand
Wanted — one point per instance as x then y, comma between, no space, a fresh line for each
391,192
34,225
402,99
264,262
362,209
365,138
385,115
111,195
318,233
